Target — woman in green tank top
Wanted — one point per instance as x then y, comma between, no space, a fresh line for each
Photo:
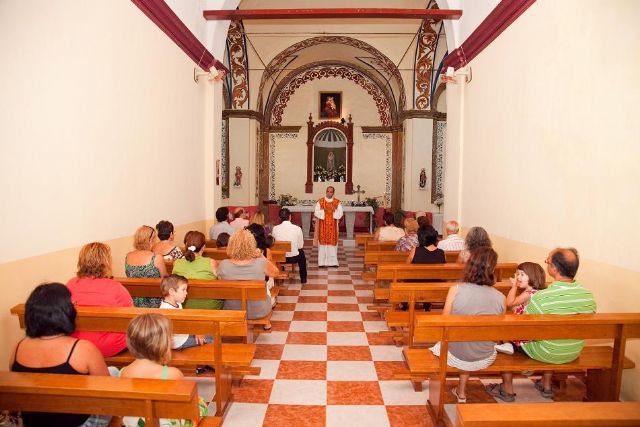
195,266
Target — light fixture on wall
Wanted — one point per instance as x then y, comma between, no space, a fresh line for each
214,75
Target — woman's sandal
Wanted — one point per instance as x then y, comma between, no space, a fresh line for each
497,391
547,394
455,393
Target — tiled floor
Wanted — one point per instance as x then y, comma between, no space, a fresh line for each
325,365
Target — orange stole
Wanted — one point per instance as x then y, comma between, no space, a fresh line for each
328,228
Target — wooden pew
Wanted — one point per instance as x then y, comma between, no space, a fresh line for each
280,245
148,398
559,414
277,256
243,290
603,364
401,323
427,272
376,258
225,358
361,238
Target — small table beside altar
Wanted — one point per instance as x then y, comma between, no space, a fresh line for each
349,217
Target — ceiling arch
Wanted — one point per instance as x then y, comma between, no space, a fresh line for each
345,50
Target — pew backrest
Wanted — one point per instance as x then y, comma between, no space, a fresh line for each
426,272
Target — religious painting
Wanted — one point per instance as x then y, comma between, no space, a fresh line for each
330,105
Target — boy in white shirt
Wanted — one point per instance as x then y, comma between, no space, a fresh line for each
174,292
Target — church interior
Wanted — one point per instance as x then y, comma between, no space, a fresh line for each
122,113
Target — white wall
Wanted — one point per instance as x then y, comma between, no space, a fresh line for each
418,146
550,138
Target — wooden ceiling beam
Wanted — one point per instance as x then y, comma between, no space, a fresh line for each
332,13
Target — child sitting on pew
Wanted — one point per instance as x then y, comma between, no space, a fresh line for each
174,292
149,340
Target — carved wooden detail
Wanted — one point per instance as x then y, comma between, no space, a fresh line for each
312,131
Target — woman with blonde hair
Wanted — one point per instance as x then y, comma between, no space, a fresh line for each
94,286
247,262
196,266
143,262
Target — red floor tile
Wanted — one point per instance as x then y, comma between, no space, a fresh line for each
302,370
269,351
353,393
314,338
295,416
348,352
310,315
409,416
253,391
345,326
385,370
342,307
312,299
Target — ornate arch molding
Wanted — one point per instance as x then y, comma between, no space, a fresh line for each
386,65
275,108
239,65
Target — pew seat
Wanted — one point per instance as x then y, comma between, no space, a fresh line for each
559,414
149,398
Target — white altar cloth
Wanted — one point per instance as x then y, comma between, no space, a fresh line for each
349,216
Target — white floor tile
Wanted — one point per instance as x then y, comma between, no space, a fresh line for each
313,293
375,326
351,371
288,299
286,316
364,307
357,416
304,352
272,338
298,392
308,326
364,293
402,393
206,387
311,307
243,414
334,287
386,353
268,369
347,338
342,300
344,316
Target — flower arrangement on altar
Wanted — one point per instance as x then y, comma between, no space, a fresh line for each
286,200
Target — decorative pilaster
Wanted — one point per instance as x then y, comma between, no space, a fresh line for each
348,188
308,186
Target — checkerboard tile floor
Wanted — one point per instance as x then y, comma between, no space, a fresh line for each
324,364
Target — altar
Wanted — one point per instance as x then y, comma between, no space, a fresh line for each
349,217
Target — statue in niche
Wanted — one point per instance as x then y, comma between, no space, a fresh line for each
238,177
423,179
331,158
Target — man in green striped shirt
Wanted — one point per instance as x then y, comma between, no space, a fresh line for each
563,296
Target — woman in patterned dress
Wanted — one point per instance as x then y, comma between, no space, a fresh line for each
165,246
143,262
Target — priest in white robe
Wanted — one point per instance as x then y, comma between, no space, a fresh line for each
328,212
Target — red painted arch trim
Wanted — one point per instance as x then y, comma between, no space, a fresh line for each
503,15
166,19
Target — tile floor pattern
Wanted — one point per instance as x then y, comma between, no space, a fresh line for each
324,364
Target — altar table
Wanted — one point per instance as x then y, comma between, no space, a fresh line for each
349,217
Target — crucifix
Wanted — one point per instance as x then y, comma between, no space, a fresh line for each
358,192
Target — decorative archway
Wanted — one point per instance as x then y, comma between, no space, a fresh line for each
312,132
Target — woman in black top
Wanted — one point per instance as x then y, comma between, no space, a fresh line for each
48,348
427,251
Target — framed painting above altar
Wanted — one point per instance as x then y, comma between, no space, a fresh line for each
330,105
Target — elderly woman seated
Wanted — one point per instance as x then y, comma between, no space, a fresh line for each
247,262
410,238
477,237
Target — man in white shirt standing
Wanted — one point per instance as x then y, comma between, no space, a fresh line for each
222,215
288,232
328,210
453,242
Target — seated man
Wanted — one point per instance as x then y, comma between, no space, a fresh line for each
288,232
453,242
563,296
239,222
222,214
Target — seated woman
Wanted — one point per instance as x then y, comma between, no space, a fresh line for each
389,232
165,246
477,237
93,286
48,348
426,252
258,218
410,239
142,262
223,240
475,296
195,266
246,262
